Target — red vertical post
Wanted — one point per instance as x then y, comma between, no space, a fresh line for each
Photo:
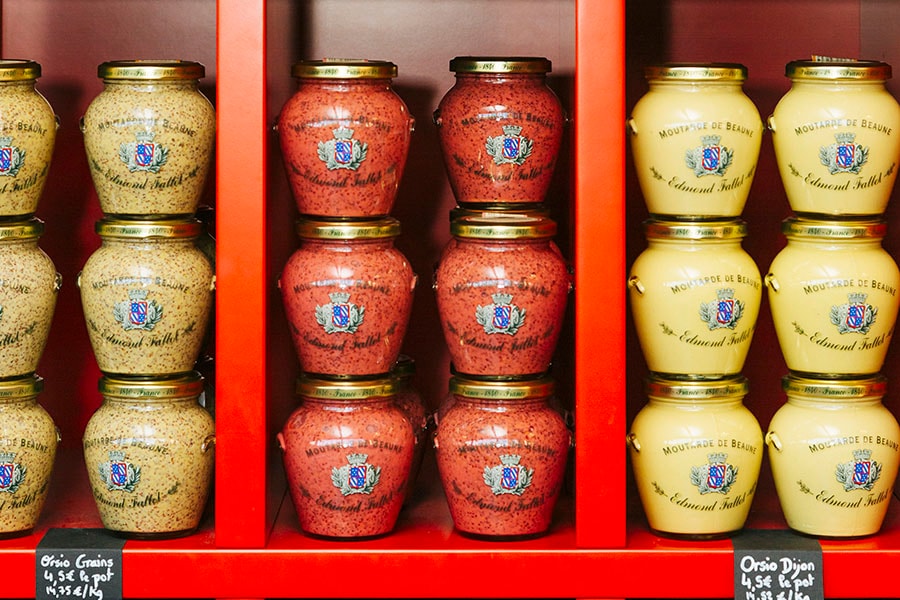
241,519
600,275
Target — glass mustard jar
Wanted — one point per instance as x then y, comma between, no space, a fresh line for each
347,294
695,138
29,287
501,286
501,453
149,138
500,130
411,403
348,449
146,294
836,135
833,295
149,455
695,296
27,140
696,452
28,442
833,448
345,136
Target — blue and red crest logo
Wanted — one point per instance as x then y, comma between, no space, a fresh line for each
859,474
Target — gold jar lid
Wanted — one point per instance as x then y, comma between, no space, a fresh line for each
834,389
21,387
337,68
696,72
834,230
697,389
19,70
484,389
838,70
110,227
501,64
656,229
156,70
148,388
503,227
21,230
345,389
386,227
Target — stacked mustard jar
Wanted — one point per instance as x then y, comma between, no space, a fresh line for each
833,295
147,295
695,296
349,447
502,286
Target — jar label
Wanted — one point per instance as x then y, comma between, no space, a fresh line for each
12,473
357,476
502,316
119,474
342,152
509,477
340,315
12,159
509,148
855,316
725,312
143,154
858,473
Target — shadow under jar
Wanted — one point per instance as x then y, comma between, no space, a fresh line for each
149,138
347,294
147,294
501,286
149,454
348,449
501,453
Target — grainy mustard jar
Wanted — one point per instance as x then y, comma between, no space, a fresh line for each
696,452
836,135
28,441
833,294
834,450
348,449
695,296
149,454
147,294
27,138
149,137
29,286
347,294
500,129
345,136
410,401
501,453
501,286
695,139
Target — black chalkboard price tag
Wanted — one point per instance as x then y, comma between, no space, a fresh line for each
775,564
78,563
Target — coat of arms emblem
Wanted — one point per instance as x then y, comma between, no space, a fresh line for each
855,316
859,474
509,477
342,151
723,312
11,158
357,476
500,317
511,147
143,154
709,158
11,473
717,476
119,474
843,156
340,315
137,312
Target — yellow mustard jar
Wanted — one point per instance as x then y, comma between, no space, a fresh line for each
695,139
836,135
695,296
834,449
833,295
696,452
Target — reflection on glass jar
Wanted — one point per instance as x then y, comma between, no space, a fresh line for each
834,450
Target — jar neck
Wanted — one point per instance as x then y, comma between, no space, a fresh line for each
152,242
835,244
696,86
834,403
150,85
348,404
502,404
711,244
151,403
697,404
841,85
528,79
344,85
357,245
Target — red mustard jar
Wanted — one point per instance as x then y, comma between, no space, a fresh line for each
410,401
344,136
500,129
348,449
501,453
501,286
347,295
